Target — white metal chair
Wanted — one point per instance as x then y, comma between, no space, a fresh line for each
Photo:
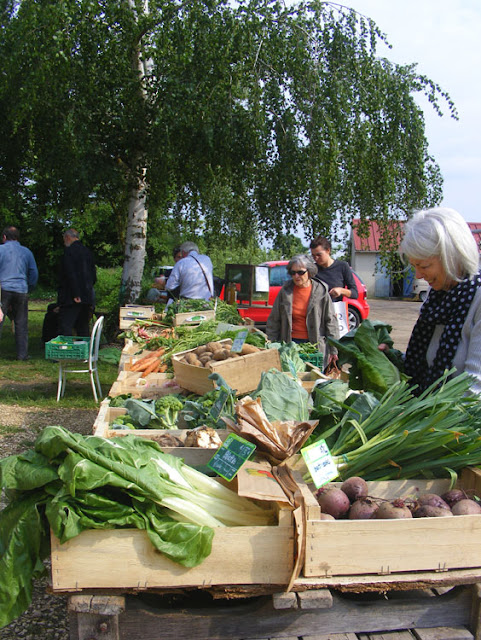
69,366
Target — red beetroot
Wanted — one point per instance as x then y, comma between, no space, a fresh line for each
362,509
466,507
431,499
393,510
327,516
430,511
333,501
453,496
355,488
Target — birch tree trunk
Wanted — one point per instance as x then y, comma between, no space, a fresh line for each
135,242
136,234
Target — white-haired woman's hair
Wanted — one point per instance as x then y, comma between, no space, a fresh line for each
304,261
443,233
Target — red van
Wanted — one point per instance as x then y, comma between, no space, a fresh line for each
259,312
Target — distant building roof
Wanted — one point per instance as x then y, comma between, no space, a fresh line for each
373,241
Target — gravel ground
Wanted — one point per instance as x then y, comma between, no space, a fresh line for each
46,618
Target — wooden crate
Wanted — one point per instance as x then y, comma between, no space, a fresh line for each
242,374
387,547
193,317
130,349
191,455
309,378
130,313
153,385
126,559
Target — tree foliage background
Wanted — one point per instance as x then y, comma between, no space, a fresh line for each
229,123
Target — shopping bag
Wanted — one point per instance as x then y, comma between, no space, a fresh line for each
342,317
332,371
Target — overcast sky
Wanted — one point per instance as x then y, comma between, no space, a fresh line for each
443,38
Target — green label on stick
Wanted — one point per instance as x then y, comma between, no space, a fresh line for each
230,457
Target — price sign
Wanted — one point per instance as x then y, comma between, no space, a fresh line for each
230,457
219,403
239,341
320,463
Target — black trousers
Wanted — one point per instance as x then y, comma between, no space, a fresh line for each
76,317
16,305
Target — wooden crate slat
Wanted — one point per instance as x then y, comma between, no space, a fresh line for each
125,558
443,633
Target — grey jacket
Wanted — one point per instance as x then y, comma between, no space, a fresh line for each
321,320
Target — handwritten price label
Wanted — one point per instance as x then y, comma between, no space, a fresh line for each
320,463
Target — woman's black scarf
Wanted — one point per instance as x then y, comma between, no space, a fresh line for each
450,309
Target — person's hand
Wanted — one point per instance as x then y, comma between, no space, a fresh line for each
336,292
383,347
333,357
1,314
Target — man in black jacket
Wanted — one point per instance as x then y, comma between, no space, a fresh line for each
76,296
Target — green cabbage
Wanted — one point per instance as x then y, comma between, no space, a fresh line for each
283,398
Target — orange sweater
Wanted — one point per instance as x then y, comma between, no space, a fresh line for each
300,302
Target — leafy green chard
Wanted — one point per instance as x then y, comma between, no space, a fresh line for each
70,483
371,369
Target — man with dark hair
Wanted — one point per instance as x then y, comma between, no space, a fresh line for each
76,295
18,276
336,274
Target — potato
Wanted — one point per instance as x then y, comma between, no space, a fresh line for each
191,358
213,346
201,349
221,354
249,348
205,358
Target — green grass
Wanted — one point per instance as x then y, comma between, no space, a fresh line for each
34,382
8,430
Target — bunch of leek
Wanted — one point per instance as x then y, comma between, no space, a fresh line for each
433,435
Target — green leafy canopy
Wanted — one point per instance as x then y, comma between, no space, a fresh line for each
224,120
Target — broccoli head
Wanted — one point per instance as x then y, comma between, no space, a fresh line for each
167,410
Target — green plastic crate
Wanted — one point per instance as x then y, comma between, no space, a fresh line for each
313,358
67,348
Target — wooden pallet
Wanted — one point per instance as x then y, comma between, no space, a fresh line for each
447,614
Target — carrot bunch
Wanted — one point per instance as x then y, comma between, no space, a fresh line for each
150,363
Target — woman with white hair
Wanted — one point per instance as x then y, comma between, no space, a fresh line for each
440,246
303,310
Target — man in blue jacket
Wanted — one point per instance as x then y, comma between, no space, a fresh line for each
18,276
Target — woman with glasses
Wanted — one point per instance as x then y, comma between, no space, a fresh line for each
303,310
